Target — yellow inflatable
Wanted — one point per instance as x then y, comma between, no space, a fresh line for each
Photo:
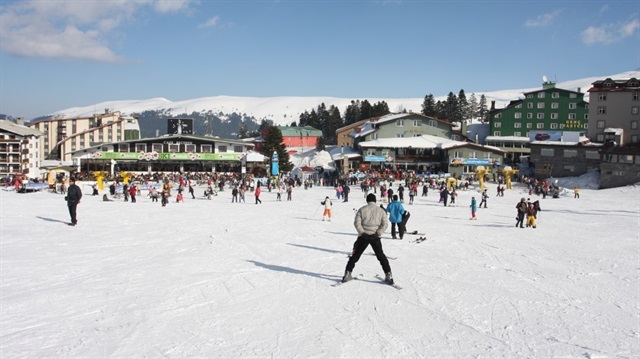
508,173
481,172
452,183
100,175
126,177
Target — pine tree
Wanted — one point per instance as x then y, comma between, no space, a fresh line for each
352,113
473,106
483,112
320,144
365,110
273,142
452,109
429,106
463,106
243,132
380,108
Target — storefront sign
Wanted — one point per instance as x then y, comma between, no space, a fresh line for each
167,156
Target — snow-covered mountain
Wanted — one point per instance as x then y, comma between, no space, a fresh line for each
284,110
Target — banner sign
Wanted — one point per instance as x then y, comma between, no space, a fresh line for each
375,158
166,156
474,161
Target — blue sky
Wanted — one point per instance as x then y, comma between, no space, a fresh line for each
58,54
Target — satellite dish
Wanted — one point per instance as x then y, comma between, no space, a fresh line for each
544,78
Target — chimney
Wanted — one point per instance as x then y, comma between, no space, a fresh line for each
493,105
579,90
20,121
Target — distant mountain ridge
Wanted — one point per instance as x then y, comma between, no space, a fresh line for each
285,110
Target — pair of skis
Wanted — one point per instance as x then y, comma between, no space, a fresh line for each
359,277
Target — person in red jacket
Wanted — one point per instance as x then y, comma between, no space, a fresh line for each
257,193
133,190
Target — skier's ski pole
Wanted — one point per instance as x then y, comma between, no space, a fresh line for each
314,213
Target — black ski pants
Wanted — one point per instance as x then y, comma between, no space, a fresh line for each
361,244
72,211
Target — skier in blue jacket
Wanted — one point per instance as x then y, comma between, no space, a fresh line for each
396,210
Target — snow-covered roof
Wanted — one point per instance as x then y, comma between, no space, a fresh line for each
616,131
253,156
338,153
20,130
422,141
507,138
584,141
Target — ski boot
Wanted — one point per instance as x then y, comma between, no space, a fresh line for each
388,278
347,277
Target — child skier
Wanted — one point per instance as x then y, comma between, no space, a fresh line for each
327,208
474,208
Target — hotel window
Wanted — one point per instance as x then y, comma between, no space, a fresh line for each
602,110
174,147
569,168
517,115
205,148
592,155
540,94
433,123
555,105
530,115
540,116
635,96
602,96
222,148
540,104
570,153
539,126
517,125
600,124
399,135
529,125
572,116
530,105
496,133
499,115
530,95
517,134
190,148
634,138
586,116
157,147
554,116
555,95
141,147
399,123
374,136
519,105
547,152
634,125
572,106
554,126
600,137
634,110
123,147
497,124
238,149
416,123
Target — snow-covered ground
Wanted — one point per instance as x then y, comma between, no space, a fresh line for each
223,280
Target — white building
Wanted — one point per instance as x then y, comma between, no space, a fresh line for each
19,149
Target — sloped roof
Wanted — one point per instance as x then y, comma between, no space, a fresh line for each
20,130
290,131
422,141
